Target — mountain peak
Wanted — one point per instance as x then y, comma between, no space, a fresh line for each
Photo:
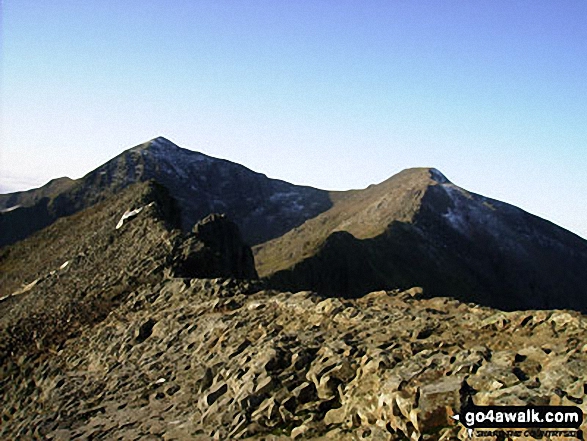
415,177
158,142
161,141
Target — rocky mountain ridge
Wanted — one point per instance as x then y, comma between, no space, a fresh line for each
202,359
419,229
76,271
263,208
414,229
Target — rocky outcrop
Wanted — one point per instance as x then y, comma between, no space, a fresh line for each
220,359
214,249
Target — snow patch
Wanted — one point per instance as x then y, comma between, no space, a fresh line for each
474,214
24,289
9,209
130,214
469,212
290,200
453,215
176,161
162,148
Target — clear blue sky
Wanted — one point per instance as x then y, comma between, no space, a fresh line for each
335,94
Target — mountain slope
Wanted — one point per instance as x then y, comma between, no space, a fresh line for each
31,197
362,213
77,270
418,229
263,208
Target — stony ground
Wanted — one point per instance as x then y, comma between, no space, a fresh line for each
219,359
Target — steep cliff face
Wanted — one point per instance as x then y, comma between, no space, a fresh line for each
418,229
263,208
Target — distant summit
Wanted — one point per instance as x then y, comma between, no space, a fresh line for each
263,208
419,229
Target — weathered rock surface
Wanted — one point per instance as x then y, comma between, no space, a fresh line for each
76,271
221,359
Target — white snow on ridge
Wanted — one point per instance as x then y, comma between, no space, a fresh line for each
174,160
130,214
456,219
465,212
167,150
290,199
474,214
9,209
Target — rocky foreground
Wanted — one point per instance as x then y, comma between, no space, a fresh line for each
220,359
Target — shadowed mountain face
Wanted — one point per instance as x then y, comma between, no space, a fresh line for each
263,208
418,229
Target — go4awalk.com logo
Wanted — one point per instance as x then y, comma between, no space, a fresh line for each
536,421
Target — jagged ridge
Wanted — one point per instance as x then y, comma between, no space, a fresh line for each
211,359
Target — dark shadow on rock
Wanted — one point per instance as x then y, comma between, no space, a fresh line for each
213,249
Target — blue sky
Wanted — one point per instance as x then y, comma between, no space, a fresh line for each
335,94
